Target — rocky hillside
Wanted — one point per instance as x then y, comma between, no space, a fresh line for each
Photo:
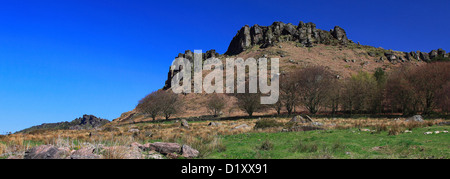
307,36
85,122
298,46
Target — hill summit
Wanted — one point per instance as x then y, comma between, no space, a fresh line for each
306,34
81,123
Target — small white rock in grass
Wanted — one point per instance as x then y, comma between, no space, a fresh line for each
408,131
428,133
437,132
364,130
445,131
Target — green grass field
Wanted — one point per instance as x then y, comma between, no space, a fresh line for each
337,144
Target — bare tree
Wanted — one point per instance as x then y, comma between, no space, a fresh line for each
160,102
289,94
418,89
428,80
249,102
443,98
151,104
334,96
278,106
399,93
314,86
216,103
170,104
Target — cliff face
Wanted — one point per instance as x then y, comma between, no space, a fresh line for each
306,34
188,54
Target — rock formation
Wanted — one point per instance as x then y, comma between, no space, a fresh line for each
264,36
85,122
88,122
305,35
188,54
46,152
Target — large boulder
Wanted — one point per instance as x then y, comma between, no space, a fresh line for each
134,130
47,152
309,119
184,124
154,155
189,152
339,34
243,126
441,52
390,56
416,118
445,123
433,54
424,56
165,148
85,153
216,124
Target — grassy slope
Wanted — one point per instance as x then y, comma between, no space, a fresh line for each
337,144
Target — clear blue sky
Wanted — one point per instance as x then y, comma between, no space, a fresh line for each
60,59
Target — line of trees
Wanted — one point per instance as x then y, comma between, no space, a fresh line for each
408,90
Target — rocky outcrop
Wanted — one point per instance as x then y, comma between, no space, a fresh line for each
188,54
264,36
85,153
165,148
188,152
416,118
135,150
305,35
300,119
243,126
46,152
85,122
88,122
434,55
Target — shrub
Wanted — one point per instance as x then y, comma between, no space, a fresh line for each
267,123
266,145
216,104
249,102
306,147
381,127
396,130
160,102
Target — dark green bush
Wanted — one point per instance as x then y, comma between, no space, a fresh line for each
267,123
266,145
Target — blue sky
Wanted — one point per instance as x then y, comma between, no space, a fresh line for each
62,59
